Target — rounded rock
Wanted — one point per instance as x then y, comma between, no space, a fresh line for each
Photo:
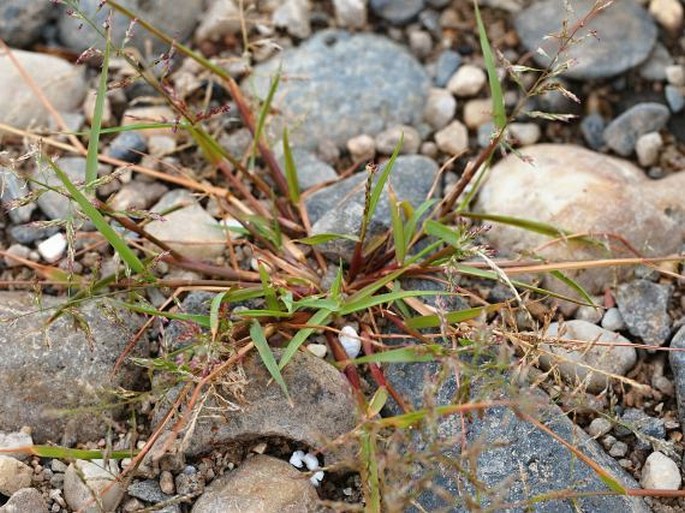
644,308
622,133
397,12
21,21
612,320
26,500
524,134
440,108
453,139
388,139
477,112
648,147
660,473
675,98
599,427
668,14
350,13
362,147
467,81
14,475
83,478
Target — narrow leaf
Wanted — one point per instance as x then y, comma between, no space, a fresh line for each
290,170
397,228
498,112
96,124
322,238
214,313
572,284
409,354
433,321
454,238
257,334
378,187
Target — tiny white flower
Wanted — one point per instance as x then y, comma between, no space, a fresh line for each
350,341
316,478
296,460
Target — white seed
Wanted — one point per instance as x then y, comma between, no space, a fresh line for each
316,478
350,341
311,461
53,248
296,460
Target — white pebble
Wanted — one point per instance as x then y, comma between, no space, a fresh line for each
648,147
440,108
477,112
524,134
613,320
350,13
675,74
53,248
388,139
362,147
350,341
318,350
660,473
296,460
453,139
311,461
316,478
668,13
467,81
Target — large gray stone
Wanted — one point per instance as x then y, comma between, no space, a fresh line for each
607,54
340,207
337,85
644,308
21,21
177,18
62,83
51,375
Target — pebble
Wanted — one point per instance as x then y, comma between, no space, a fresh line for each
654,68
675,74
453,139
644,308
22,21
14,475
467,81
612,320
675,98
660,473
607,55
261,483
592,127
176,17
89,109
318,350
350,341
477,112
54,76
420,43
447,64
53,204
636,419
14,440
599,427
137,195
293,15
26,500
147,115
53,248
622,133
524,134
429,149
648,147
668,14
13,188
440,108
149,490
618,450
29,233
350,13
189,482
610,357
221,19
340,66
362,148
311,170
396,12
387,140
677,360
83,478
580,190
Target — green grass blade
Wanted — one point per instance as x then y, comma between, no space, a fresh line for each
269,292
319,318
572,284
498,113
51,451
410,354
389,297
263,113
96,124
382,180
433,321
413,221
322,238
454,238
290,170
370,472
397,228
380,397
119,245
257,334
214,313
202,320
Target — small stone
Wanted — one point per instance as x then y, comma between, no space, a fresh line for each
623,132
599,427
16,250
467,81
675,74
589,313
387,140
89,109
612,320
397,12
12,189
524,134
648,147
420,43
318,350
146,115
127,146
592,127
149,490
83,478
166,482
14,475
644,308
53,248
440,108
221,19
660,473
477,112
654,68
350,341
362,148
447,64
618,450
636,420
189,482
350,13
668,13
675,98
453,139
677,360
429,149
293,15
29,233
161,145
26,500
137,195
15,439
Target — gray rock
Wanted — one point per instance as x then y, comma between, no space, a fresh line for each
222,18
14,440
674,97
592,128
608,54
263,484
339,208
26,500
636,421
388,139
189,481
84,479
654,68
46,370
677,360
14,475
612,320
660,472
311,170
622,133
339,66
127,146
644,308
324,409
13,188
21,21
397,12
177,18
448,62
599,427
63,84
440,108
293,15
54,204
350,13
29,233
148,491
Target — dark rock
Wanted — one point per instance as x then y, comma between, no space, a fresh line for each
13,188
356,84
189,482
622,133
21,21
339,208
397,12
148,491
29,233
127,146
674,97
263,484
177,18
592,128
644,308
677,361
447,64
637,421
608,54
46,370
